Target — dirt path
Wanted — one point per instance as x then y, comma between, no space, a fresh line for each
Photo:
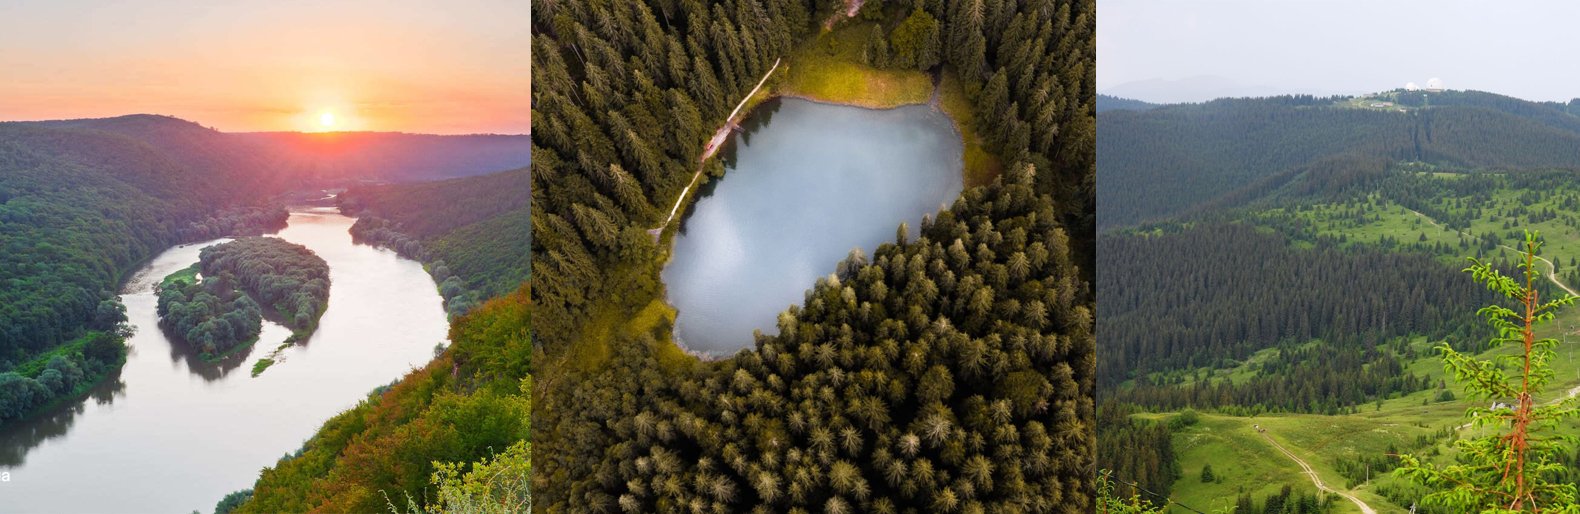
1573,391
713,147
1552,270
1365,509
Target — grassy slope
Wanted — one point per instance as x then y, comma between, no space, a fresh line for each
1320,439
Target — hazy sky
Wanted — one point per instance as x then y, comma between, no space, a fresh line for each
1529,50
403,65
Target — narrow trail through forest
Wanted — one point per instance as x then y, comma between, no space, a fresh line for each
1366,509
730,124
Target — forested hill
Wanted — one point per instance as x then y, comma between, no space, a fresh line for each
82,202
1162,162
393,156
1114,103
314,158
79,207
471,232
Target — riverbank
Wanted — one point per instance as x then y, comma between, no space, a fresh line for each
385,320
76,352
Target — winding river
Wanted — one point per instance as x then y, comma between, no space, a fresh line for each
805,183
173,433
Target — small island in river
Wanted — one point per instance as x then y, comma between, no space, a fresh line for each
241,282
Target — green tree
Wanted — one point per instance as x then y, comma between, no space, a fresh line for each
1206,474
1510,471
1107,503
915,42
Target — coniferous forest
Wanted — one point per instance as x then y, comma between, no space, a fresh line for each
947,372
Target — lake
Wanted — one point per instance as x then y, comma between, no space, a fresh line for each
805,183
173,433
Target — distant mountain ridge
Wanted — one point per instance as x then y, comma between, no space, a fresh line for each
1160,163
319,158
1114,103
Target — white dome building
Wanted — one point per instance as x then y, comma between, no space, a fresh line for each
1410,86
1434,84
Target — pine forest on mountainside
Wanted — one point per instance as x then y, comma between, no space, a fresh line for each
1333,236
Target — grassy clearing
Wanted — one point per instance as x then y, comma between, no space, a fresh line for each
1240,455
188,275
1241,459
1376,218
828,68
1244,459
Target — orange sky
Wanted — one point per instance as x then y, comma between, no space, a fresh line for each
441,67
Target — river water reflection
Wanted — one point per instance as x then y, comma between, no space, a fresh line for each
173,433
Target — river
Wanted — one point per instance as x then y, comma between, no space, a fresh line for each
805,183
172,433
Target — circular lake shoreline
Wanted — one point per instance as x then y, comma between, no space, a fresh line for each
807,181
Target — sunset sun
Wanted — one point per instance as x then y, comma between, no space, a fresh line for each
326,120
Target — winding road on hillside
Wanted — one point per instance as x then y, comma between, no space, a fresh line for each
1552,269
1365,509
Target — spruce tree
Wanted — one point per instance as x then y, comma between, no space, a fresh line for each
1512,470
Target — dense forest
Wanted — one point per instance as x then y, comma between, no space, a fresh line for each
470,232
1156,315
1138,452
213,315
222,311
81,206
285,277
928,377
1162,162
892,388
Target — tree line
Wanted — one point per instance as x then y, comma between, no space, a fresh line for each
1210,295
1160,163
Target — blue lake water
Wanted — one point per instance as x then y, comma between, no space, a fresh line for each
805,183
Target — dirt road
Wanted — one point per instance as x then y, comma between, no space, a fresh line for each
1552,270
712,147
1365,509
